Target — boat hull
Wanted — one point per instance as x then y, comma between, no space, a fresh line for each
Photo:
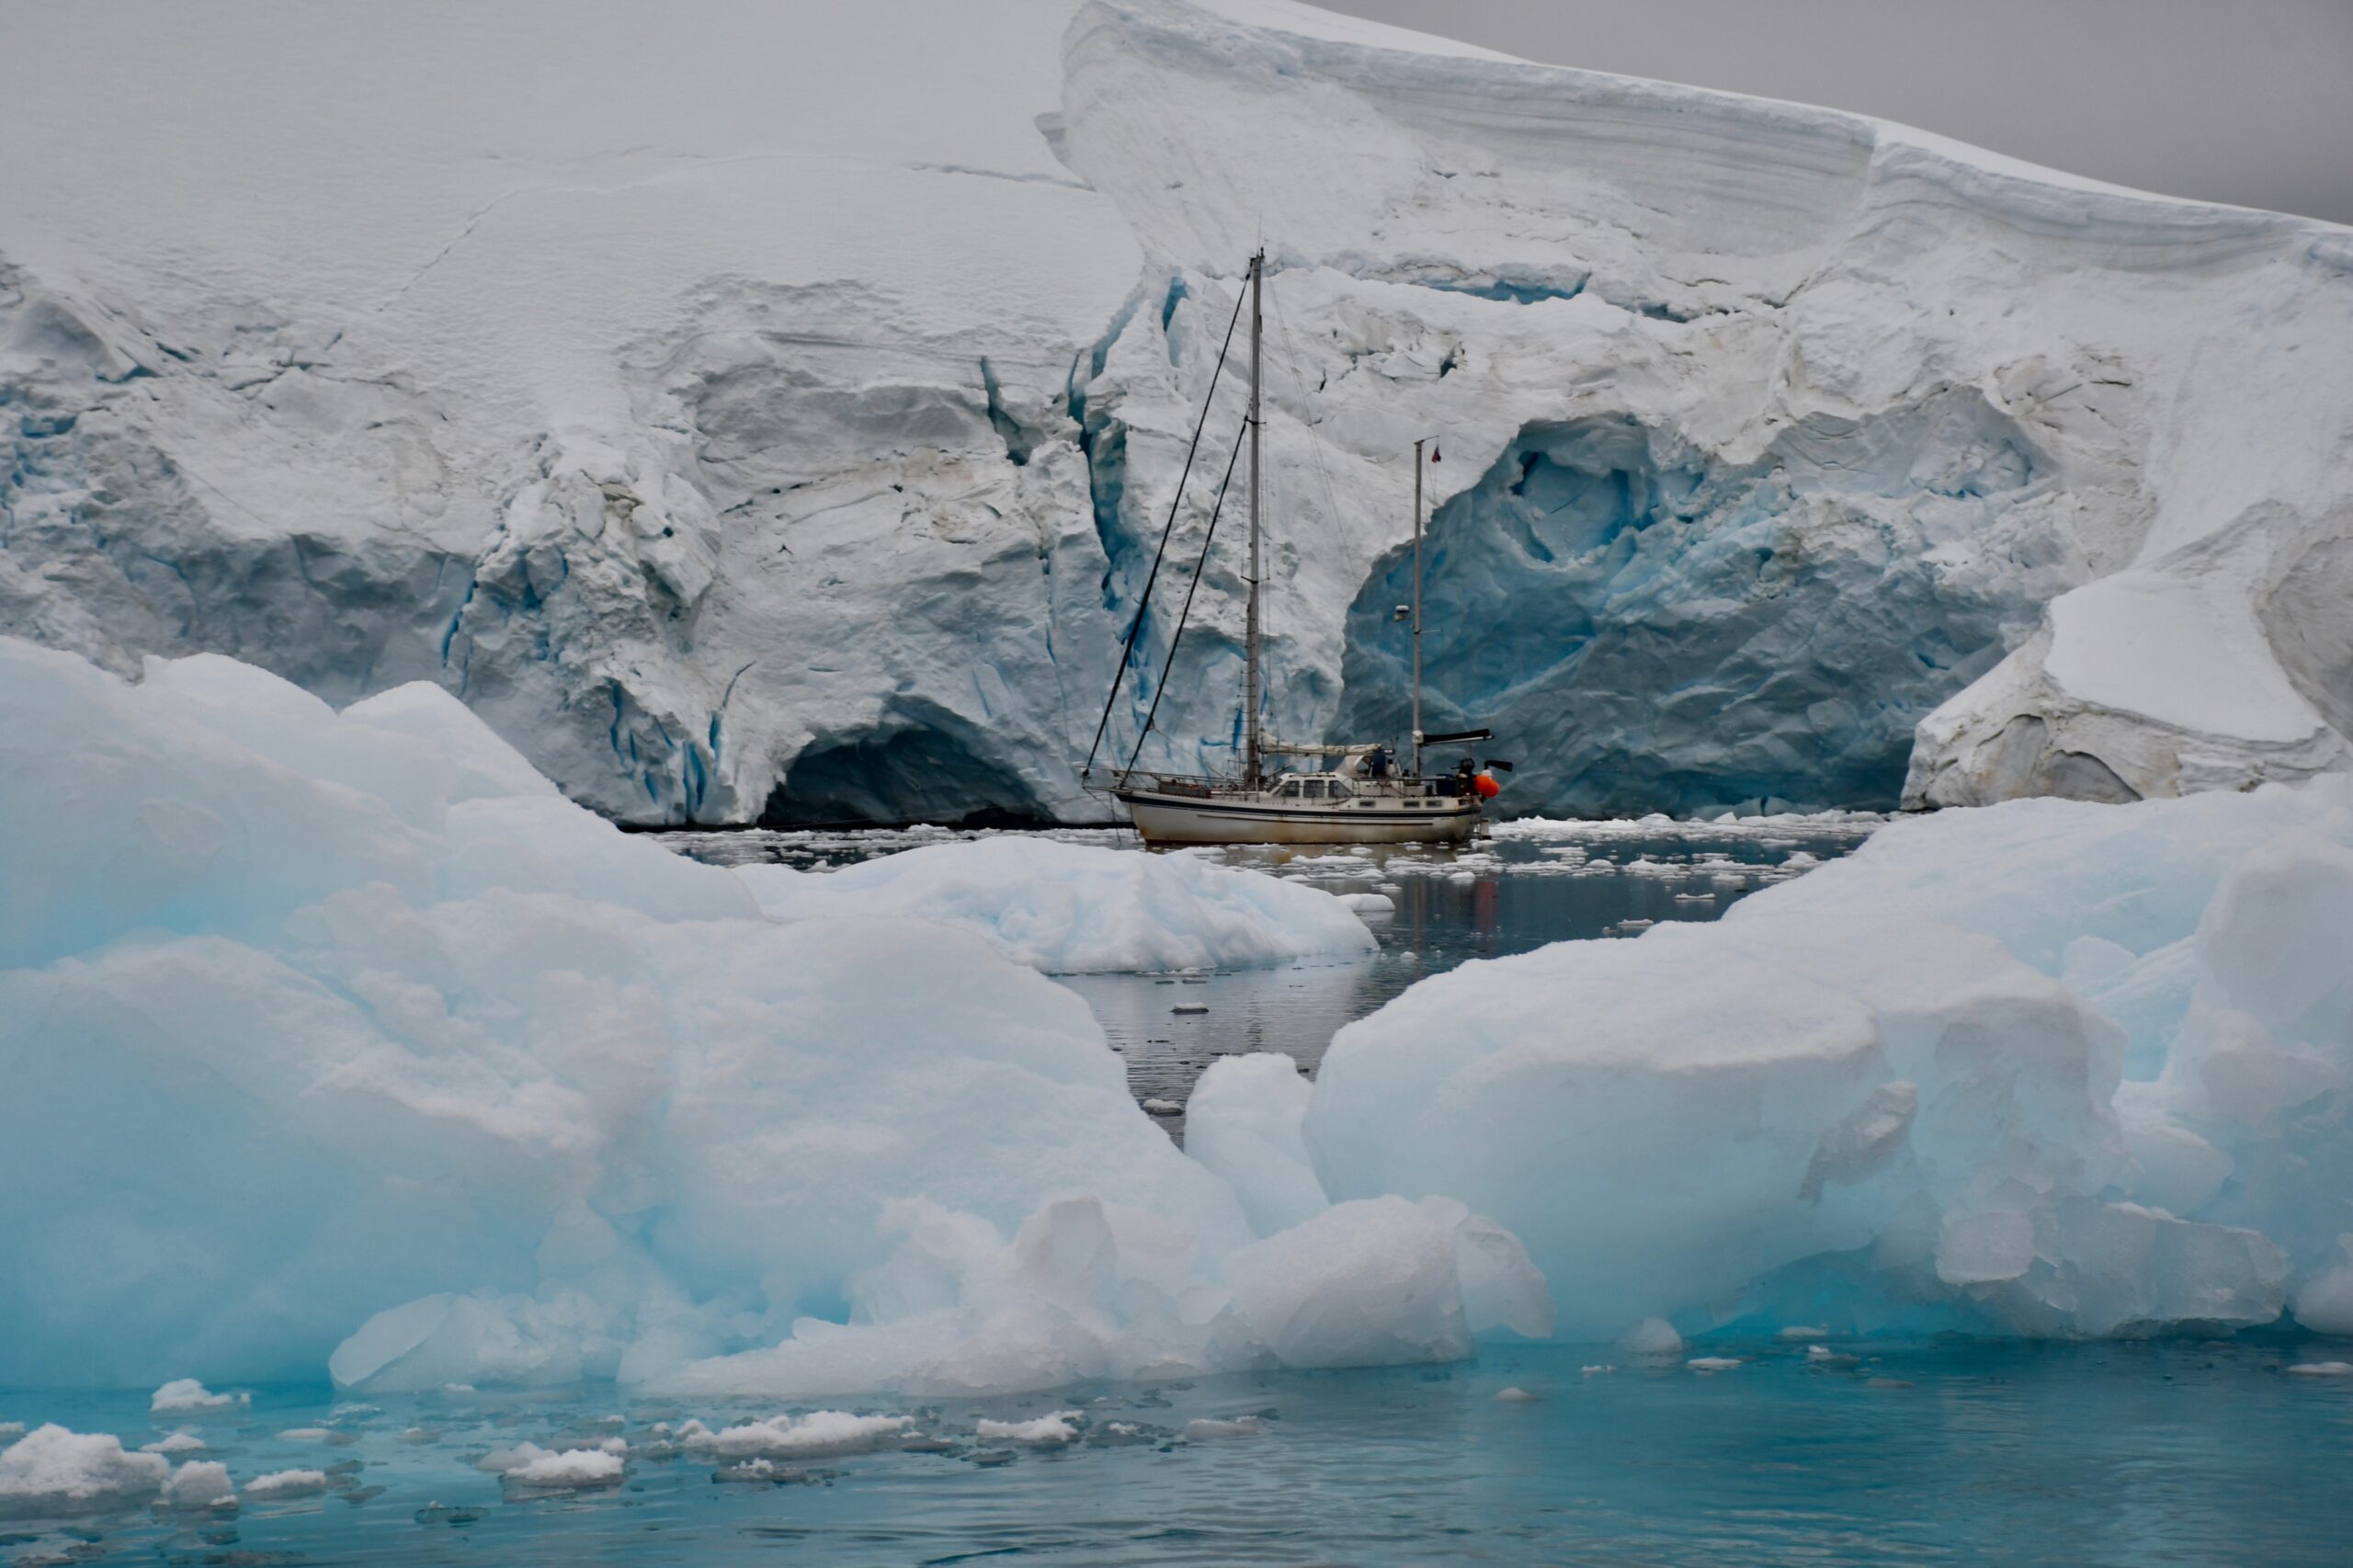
1180,819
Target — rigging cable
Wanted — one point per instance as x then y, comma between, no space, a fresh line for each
1135,628
1200,566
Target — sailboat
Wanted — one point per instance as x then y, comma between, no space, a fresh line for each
1371,793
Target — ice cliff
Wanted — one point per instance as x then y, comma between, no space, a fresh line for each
773,411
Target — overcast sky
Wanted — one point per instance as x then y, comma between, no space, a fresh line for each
2246,101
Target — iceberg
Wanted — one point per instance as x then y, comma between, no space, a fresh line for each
2047,1068
784,430
492,1093
1078,908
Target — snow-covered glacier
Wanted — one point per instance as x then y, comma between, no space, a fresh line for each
748,410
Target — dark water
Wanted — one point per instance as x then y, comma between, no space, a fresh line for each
1962,1453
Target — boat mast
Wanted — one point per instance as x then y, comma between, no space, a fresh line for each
1416,770
1252,755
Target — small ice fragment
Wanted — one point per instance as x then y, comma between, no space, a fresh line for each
287,1484
187,1394
11,1430
1805,1331
2322,1370
570,1471
820,1434
1370,905
1652,1336
1712,1363
1596,1369
1045,1432
199,1484
1240,1427
420,1434
180,1442
305,1434
1516,1395
1885,1383
1164,1107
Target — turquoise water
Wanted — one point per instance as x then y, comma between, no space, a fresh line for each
2173,1451
2170,1452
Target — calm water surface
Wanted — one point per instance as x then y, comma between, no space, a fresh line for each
1943,1453
2172,1452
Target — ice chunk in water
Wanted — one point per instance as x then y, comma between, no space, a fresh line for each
287,1484
51,1471
1041,1432
199,1484
1078,908
182,1395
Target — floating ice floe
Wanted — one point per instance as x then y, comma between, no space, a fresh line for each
52,1472
1040,1432
199,1484
184,1395
2045,1068
1078,908
820,1434
287,1484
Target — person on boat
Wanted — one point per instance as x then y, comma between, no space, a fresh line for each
1376,763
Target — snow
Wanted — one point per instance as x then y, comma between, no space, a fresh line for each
51,1471
1076,908
1044,1431
496,1095
788,425
287,1484
1888,1099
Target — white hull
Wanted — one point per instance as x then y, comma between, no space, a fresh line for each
1179,818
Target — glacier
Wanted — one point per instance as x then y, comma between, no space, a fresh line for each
344,1043
782,431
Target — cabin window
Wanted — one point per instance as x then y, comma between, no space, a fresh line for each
1338,788
1292,790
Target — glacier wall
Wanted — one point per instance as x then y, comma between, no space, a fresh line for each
784,430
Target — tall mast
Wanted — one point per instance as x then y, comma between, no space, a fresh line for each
1417,611
1251,763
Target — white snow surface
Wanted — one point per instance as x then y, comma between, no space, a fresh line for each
1077,908
2046,1068
52,1472
495,1094
741,406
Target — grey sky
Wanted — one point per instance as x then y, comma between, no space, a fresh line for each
2244,101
